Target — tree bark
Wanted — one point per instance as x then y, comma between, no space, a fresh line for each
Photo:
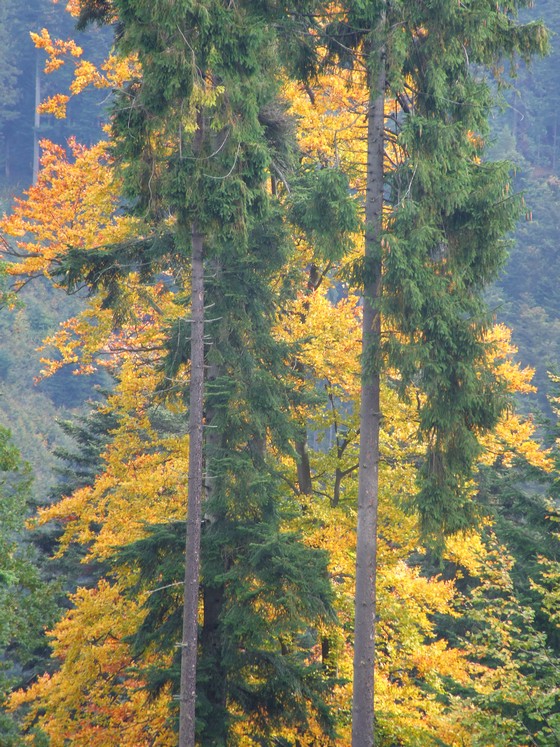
37,119
189,641
305,482
214,690
368,486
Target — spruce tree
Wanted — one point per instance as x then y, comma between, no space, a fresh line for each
194,138
429,259
26,601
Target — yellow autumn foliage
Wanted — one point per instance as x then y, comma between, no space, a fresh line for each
74,204
144,480
94,698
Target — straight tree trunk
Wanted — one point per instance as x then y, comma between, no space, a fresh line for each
368,485
189,641
213,600
213,594
305,483
37,119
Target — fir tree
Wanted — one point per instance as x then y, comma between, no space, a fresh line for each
426,264
26,601
196,144
77,466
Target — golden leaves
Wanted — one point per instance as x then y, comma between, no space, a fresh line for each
95,698
72,205
328,337
514,435
113,73
56,49
144,480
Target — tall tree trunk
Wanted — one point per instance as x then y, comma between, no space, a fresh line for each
305,483
368,485
192,549
214,690
37,119
305,480
213,592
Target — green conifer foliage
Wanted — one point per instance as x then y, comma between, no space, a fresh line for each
429,258
525,519
451,211
77,465
26,602
196,144
273,592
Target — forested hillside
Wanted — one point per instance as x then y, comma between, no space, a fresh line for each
279,325
526,132
24,85
28,407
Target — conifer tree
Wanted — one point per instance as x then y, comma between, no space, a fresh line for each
428,261
26,602
191,142
194,139
8,73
